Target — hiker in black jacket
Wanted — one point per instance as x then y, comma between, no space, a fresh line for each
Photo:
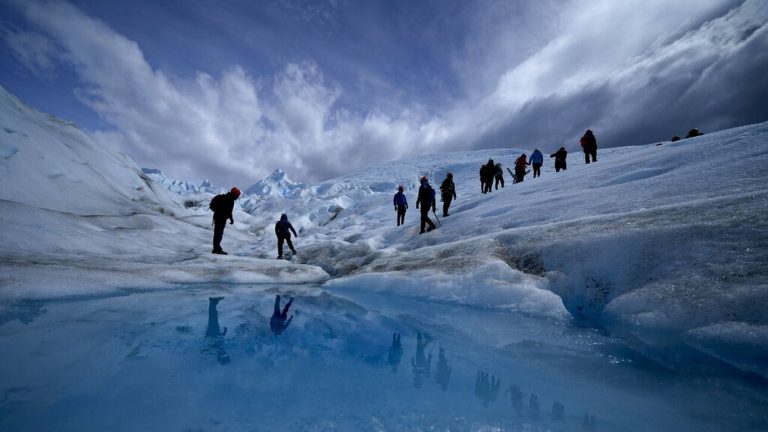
222,206
560,156
589,144
487,174
427,200
447,192
283,230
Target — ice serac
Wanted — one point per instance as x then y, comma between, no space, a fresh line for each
183,188
278,185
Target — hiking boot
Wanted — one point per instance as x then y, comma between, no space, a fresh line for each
218,252
293,251
421,232
430,228
279,257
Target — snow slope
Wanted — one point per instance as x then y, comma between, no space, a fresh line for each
78,219
663,245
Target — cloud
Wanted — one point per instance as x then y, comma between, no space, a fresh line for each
632,72
232,128
34,50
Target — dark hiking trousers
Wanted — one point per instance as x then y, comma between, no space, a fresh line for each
401,215
425,218
536,170
519,174
592,153
280,240
499,179
446,203
218,233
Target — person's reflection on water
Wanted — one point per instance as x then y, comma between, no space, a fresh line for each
443,372
395,353
280,321
534,410
214,335
421,364
517,399
486,387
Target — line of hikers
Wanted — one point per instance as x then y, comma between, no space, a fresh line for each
491,175
223,205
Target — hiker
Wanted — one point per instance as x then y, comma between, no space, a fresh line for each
447,192
675,138
488,172
280,321
560,156
693,133
214,335
520,164
395,353
499,175
537,160
426,199
222,206
421,364
589,144
283,230
401,205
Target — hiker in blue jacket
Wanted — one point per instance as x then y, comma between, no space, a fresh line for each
537,160
401,205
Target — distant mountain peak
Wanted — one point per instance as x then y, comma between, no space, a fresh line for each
276,184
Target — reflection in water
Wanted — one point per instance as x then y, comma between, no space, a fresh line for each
588,424
534,411
395,352
214,336
486,387
280,321
517,399
443,372
421,364
558,411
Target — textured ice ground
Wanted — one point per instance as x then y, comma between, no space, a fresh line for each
662,246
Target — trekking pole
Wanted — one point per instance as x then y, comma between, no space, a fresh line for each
436,218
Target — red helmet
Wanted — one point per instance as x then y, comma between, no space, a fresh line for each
235,191
424,179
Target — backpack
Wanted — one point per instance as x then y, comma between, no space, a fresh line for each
215,203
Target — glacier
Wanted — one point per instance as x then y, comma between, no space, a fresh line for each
617,290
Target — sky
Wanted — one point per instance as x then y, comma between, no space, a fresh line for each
230,91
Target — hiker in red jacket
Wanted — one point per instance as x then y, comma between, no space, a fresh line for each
520,164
